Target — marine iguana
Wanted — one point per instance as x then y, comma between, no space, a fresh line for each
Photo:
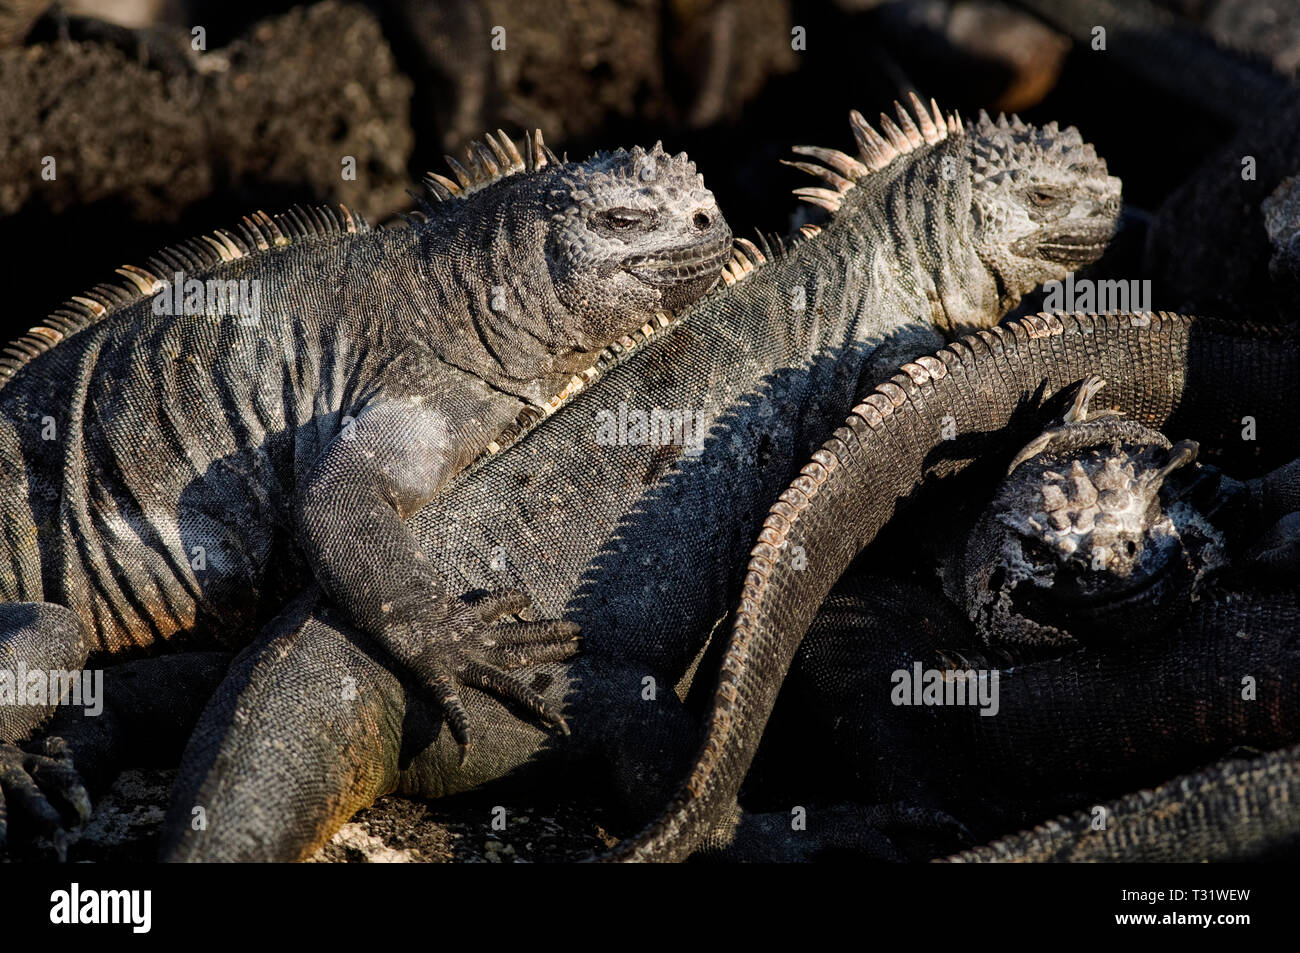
1086,540
1017,205
1195,376
934,224
268,405
1116,587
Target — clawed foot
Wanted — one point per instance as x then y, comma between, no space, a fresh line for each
39,784
471,646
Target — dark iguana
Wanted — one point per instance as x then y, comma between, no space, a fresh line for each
638,537
1115,585
270,404
1195,376
1088,539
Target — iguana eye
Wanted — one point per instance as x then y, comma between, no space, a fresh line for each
1043,199
624,219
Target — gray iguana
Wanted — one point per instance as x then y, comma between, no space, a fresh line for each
1189,376
629,509
268,405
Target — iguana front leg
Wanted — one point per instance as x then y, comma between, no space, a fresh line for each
352,509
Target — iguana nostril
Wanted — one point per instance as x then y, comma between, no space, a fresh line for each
702,220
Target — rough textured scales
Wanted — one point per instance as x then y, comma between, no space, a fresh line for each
1239,810
267,405
614,530
1189,376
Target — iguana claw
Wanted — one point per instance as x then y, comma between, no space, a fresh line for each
483,654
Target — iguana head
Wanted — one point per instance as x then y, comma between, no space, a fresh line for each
991,210
561,259
1087,535
1042,202
630,233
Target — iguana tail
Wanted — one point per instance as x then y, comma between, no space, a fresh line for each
1232,811
972,404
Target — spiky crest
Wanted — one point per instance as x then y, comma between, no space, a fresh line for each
842,171
999,142
257,232
489,161
745,257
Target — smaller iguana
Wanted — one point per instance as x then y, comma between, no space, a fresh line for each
1086,539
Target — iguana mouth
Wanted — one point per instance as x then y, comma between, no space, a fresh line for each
1116,592
681,267
1069,249
1072,605
1067,253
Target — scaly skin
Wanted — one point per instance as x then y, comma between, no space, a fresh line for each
1197,377
927,236
1072,729
176,478
1237,810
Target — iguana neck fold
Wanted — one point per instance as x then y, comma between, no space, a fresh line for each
497,312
